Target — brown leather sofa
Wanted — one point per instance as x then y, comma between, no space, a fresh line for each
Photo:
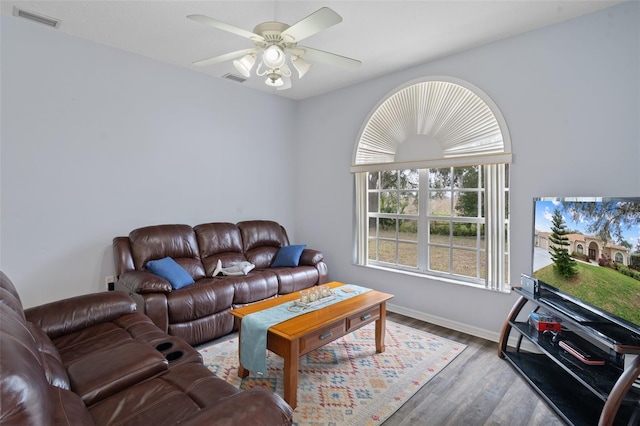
200,312
94,360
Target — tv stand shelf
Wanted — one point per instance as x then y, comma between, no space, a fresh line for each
581,394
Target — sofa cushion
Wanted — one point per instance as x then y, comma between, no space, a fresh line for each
190,394
120,367
159,241
288,256
168,399
258,233
219,241
168,269
254,287
260,407
204,329
295,279
74,346
208,296
262,256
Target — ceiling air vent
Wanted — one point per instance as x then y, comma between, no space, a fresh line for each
35,17
234,77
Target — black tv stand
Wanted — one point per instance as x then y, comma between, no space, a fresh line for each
581,393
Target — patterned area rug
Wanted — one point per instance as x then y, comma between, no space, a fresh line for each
346,382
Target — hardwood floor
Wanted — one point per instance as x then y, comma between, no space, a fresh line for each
477,388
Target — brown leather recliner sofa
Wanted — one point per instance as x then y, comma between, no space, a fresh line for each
94,360
200,312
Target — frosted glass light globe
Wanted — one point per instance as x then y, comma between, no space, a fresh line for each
273,57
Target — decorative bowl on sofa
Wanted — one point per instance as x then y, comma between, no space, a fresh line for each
199,312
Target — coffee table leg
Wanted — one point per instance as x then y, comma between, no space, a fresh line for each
242,372
291,365
381,327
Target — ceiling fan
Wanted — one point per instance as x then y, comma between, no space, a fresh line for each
277,42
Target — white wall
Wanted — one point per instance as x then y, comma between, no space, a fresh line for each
97,142
570,94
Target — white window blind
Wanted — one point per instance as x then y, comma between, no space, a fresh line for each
449,121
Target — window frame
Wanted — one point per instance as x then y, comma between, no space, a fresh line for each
424,217
445,122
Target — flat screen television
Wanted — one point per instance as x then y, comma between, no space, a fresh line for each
587,251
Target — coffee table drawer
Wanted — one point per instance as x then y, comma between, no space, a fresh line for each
361,318
322,337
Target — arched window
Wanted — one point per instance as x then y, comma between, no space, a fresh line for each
431,172
618,258
580,249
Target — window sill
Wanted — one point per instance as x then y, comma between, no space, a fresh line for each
434,278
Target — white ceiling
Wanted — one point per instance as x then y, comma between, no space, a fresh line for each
385,35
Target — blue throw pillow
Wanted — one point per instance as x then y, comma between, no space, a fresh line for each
169,269
288,256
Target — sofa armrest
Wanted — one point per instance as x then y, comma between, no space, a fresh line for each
142,282
255,406
68,409
76,313
311,257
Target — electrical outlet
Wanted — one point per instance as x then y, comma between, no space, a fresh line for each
109,281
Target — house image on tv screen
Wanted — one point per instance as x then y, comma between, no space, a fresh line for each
588,245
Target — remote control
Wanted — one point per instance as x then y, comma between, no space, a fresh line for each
577,352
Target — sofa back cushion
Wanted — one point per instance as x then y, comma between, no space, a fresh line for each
9,296
261,240
219,241
50,358
23,384
31,338
160,241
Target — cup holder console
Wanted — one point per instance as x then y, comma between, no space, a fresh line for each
174,356
177,352
164,346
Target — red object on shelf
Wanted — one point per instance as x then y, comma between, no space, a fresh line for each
544,325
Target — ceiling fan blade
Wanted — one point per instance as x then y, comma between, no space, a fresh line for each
223,58
319,20
315,55
225,27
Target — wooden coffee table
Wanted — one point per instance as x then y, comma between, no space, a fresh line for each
300,335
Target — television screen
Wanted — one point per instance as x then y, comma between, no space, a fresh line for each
589,248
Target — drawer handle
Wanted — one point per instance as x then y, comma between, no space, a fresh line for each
365,317
326,335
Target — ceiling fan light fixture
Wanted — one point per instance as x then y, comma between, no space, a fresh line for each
276,48
245,64
274,80
300,65
273,57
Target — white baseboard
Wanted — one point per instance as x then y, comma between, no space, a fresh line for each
492,336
